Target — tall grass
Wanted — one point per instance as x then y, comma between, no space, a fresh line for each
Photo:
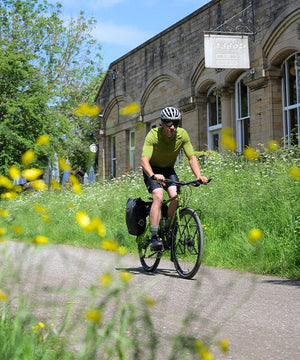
242,195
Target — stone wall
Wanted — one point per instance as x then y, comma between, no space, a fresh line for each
169,70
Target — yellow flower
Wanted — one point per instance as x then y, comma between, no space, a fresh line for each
39,185
131,108
76,188
14,172
254,235
5,182
9,195
224,345
39,209
27,157
273,145
17,229
125,276
87,110
205,354
93,315
295,172
122,250
251,154
105,279
46,218
83,219
109,245
32,174
228,142
63,165
55,184
3,297
150,301
41,240
42,140
4,213
227,131
2,231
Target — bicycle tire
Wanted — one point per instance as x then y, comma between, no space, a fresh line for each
187,244
149,259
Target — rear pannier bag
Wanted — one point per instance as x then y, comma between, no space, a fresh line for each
136,216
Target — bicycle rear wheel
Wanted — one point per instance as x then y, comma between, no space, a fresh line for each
149,259
187,245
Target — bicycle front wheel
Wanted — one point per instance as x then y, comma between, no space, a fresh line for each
149,259
187,244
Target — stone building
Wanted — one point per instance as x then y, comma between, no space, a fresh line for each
260,103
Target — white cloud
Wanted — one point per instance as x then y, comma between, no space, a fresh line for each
124,35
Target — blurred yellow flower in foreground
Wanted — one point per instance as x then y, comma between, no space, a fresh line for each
93,315
32,174
125,276
251,154
46,218
39,209
105,279
131,108
42,140
14,172
254,235
3,297
4,213
40,239
109,245
273,145
63,165
149,301
27,157
224,345
17,229
295,172
41,325
39,185
83,219
9,195
203,352
2,231
55,184
5,182
87,110
228,143
76,187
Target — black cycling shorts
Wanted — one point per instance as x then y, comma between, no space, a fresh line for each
168,173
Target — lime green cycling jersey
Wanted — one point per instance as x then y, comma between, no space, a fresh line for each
163,151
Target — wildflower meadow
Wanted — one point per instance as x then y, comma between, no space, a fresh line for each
250,217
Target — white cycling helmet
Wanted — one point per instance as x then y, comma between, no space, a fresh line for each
170,113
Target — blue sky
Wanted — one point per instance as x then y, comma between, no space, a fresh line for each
122,25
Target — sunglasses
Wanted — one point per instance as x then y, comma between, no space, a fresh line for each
171,122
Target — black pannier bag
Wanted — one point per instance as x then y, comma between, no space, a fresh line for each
136,216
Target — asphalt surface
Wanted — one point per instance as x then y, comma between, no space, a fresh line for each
260,315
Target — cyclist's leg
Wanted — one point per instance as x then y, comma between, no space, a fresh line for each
172,191
155,211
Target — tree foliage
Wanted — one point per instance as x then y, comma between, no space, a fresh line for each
48,66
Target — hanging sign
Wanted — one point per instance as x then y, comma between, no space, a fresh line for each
226,51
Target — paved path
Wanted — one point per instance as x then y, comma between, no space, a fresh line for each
259,314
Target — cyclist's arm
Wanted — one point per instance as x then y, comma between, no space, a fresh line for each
193,161
145,164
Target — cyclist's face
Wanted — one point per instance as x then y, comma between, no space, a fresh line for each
170,128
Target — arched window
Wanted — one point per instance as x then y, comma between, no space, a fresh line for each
291,100
214,119
242,114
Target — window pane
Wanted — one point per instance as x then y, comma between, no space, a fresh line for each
292,81
212,110
244,100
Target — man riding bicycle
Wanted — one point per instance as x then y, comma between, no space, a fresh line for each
161,148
